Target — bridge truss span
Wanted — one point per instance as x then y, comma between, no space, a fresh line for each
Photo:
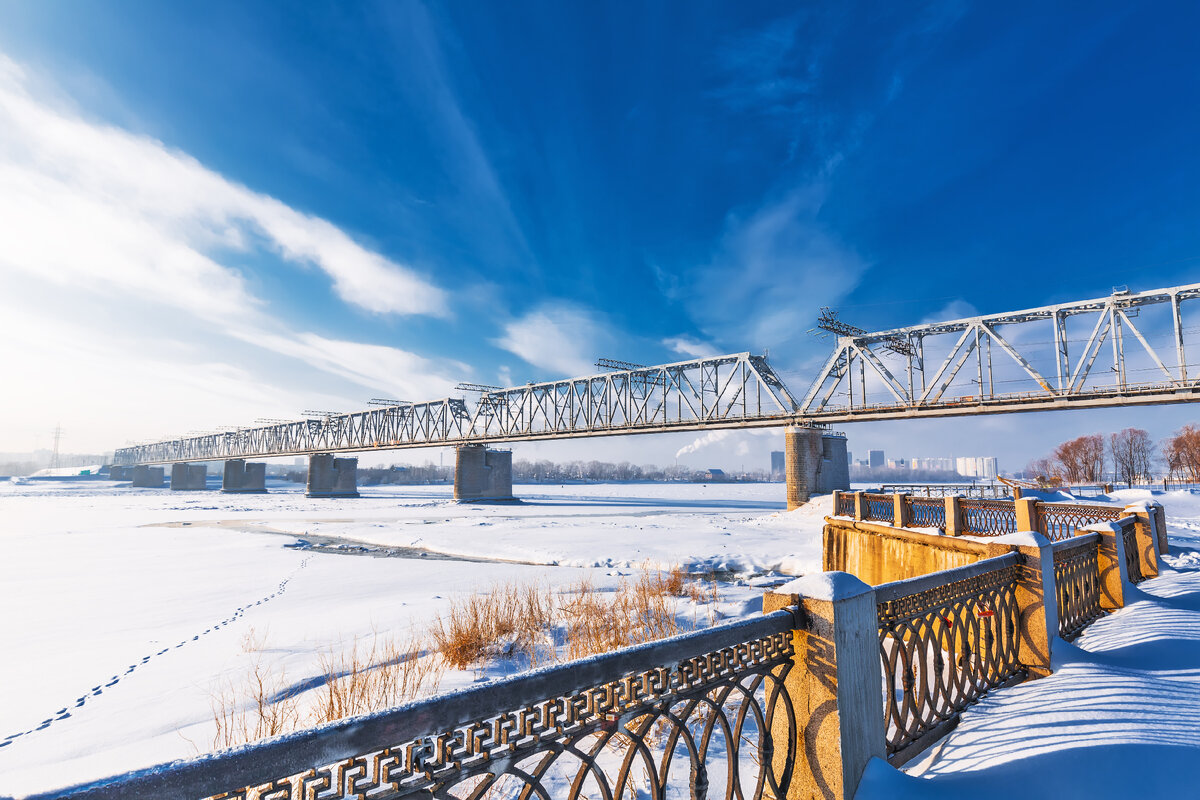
1125,349
729,391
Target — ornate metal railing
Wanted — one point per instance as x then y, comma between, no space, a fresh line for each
988,517
845,505
1077,583
1059,521
927,513
1133,563
707,711
995,490
945,639
878,507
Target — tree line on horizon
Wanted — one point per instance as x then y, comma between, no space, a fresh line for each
1131,454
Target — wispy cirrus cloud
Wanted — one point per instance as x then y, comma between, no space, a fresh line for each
561,339
94,202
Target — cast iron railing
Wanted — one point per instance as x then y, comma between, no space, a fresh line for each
1059,521
707,711
945,639
1077,583
845,505
926,513
1133,564
988,517
878,507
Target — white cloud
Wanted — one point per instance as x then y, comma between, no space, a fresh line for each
563,340
96,202
690,347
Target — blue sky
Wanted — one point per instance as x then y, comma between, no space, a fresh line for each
224,210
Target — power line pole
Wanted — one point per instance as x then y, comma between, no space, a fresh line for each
54,455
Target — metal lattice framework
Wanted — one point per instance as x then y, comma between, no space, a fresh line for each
988,517
1077,583
1024,360
896,374
944,639
738,390
926,512
709,710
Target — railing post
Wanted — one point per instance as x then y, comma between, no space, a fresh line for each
1160,525
834,683
1037,604
859,506
1027,516
1147,539
837,498
901,511
954,523
1110,559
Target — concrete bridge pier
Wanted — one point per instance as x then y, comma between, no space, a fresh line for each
482,474
189,477
145,477
244,478
116,472
332,477
814,463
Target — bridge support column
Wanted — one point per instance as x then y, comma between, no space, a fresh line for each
144,477
482,474
244,478
116,472
332,477
189,477
814,463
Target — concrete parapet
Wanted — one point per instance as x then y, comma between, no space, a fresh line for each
145,477
1037,604
242,477
332,477
881,553
833,683
189,477
482,474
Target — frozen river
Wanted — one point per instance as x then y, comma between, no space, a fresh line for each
125,610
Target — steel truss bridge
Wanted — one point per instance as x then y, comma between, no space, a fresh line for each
1027,360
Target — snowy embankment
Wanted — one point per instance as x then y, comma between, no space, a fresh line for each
1119,718
127,611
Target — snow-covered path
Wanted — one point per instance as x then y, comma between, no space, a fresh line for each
1119,718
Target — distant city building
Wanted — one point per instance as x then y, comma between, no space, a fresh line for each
714,475
934,464
849,457
778,464
977,467
875,458
897,463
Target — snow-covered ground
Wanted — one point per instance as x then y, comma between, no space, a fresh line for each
125,610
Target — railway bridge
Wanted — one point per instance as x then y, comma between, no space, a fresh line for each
1065,356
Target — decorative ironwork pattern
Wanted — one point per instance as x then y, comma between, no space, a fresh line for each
845,505
943,648
705,723
1058,521
927,513
1133,564
1077,584
879,507
708,709
988,517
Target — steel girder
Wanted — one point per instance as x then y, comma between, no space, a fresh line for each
724,391
910,384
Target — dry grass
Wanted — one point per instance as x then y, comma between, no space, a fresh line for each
507,621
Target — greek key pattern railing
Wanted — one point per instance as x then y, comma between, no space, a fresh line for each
1059,521
945,639
878,507
988,517
845,505
1077,583
708,710
1133,564
927,513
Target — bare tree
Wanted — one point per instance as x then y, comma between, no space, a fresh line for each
1182,453
1045,471
1131,451
1082,459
